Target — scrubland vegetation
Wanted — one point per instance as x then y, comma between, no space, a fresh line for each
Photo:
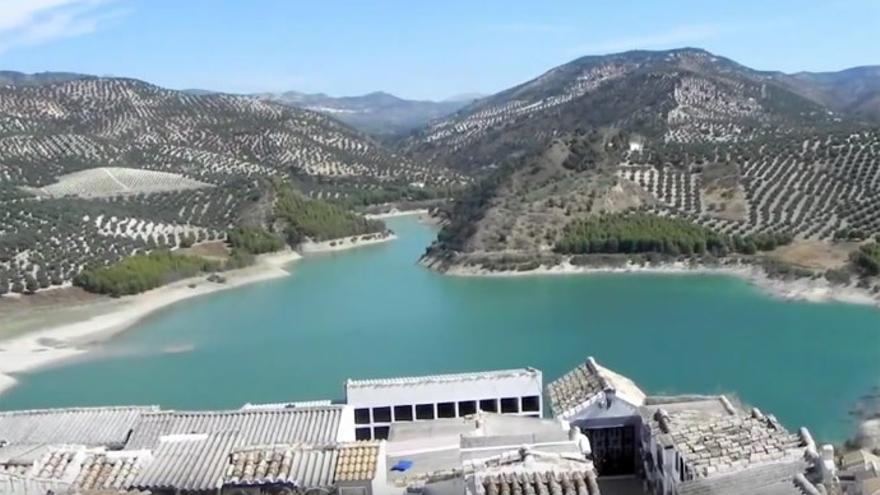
143,272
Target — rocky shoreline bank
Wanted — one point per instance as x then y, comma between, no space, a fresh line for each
787,285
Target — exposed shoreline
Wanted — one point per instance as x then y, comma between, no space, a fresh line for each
345,243
41,347
105,317
804,289
397,213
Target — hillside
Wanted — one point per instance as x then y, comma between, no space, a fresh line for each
10,77
380,114
855,91
681,133
96,169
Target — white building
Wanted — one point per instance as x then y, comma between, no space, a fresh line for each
605,406
489,453
378,403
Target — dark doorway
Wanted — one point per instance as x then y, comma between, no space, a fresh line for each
614,450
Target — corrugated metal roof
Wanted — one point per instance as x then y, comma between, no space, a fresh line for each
91,426
24,485
21,454
255,427
188,462
449,378
287,405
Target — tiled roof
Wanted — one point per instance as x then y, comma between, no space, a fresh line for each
12,468
580,386
302,465
55,464
111,470
90,426
715,444
767,479
531,471
188,462
566,483
90,469
254,427
296,466
357,461
448,378
857,460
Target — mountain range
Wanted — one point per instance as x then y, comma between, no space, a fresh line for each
379,113
682,134
95,168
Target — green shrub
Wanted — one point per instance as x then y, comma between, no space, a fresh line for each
254,240
142,272
867,259
647,233
318,220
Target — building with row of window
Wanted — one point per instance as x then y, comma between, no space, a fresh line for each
456,434
379,403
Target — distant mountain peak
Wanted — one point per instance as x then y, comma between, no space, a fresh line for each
379,112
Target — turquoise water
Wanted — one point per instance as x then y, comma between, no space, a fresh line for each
374,312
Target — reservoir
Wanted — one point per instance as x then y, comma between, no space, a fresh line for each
373,312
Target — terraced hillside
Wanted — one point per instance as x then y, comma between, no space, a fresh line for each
681,133
93,169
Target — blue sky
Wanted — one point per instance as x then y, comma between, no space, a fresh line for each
416,49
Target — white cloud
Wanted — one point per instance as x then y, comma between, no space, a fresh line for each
32,22
672,38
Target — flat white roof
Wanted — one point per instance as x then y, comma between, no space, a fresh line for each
444,388
410,381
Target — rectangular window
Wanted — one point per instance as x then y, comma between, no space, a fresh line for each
381,415
467,407
381,432
531,403
362,416
510,405
489,405
446,410
425,411
403,413
362,434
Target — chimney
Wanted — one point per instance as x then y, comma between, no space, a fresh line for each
662,417
610,395
828,469
478,424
